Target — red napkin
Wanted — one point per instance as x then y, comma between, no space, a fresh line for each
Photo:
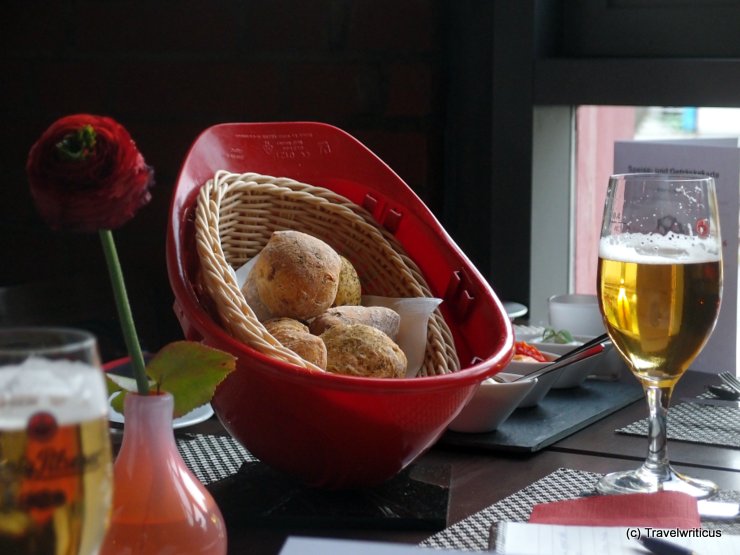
664,509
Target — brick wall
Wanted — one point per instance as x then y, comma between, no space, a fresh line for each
167,69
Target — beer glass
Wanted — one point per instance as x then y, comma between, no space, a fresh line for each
55,450
659,287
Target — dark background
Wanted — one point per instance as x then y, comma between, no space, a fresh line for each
442,90
167,70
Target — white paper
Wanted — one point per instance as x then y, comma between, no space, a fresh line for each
719,158
522,538
296,545
412,333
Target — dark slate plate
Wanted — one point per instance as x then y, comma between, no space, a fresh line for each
561,413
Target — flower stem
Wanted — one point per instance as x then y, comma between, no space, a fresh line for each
124,311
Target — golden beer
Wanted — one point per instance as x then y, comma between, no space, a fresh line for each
55,487
55,451
659,284
659,315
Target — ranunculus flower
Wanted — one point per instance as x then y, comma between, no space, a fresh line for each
86,174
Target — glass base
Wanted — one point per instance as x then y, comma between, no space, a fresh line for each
643,480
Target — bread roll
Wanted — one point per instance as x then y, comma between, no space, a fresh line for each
249,290
296,275
294,335
280,325
360,350
385,319
349,291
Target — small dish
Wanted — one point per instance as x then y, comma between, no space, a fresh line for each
576,373
571,375
515,310
492,404
195,416
538,392
558,348
544,384
121,372
577,313
516,368
606,365
535,335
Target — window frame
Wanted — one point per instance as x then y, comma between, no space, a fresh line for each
564,77
514,79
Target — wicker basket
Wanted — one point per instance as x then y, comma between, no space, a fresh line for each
237,213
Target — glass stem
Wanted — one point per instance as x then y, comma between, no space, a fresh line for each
658,399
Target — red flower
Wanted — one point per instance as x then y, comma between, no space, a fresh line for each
86,174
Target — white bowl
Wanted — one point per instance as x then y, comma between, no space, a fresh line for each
544,385
558,348
517,368
577,313
601,364
607,364
574,374
515,310
491,405
610,364
538,392
571,375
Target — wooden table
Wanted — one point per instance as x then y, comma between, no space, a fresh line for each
600,439
479,479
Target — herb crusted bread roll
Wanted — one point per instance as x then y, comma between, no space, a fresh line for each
350,288
296,275
385,319
361,350
294,335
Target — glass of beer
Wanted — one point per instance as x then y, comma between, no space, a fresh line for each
55,449
659,288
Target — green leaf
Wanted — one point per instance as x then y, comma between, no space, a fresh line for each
116,392
119,386
190,372
560,336
117,401
566,336
112,385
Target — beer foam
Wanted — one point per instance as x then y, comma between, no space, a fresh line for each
654,248
70,390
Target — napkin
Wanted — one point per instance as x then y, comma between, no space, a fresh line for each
664,509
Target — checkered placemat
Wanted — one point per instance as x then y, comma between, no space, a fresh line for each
709,425
472,533
212,457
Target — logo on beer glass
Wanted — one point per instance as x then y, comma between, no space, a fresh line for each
42,426
51,466
702,227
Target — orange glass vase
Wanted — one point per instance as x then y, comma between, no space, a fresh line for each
159,507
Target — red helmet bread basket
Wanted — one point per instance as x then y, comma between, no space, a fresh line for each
324,429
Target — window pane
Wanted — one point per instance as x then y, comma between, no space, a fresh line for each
597,128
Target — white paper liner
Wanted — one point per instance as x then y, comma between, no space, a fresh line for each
412,333
414,313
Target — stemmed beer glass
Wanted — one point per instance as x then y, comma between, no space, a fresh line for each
55,449
659,288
